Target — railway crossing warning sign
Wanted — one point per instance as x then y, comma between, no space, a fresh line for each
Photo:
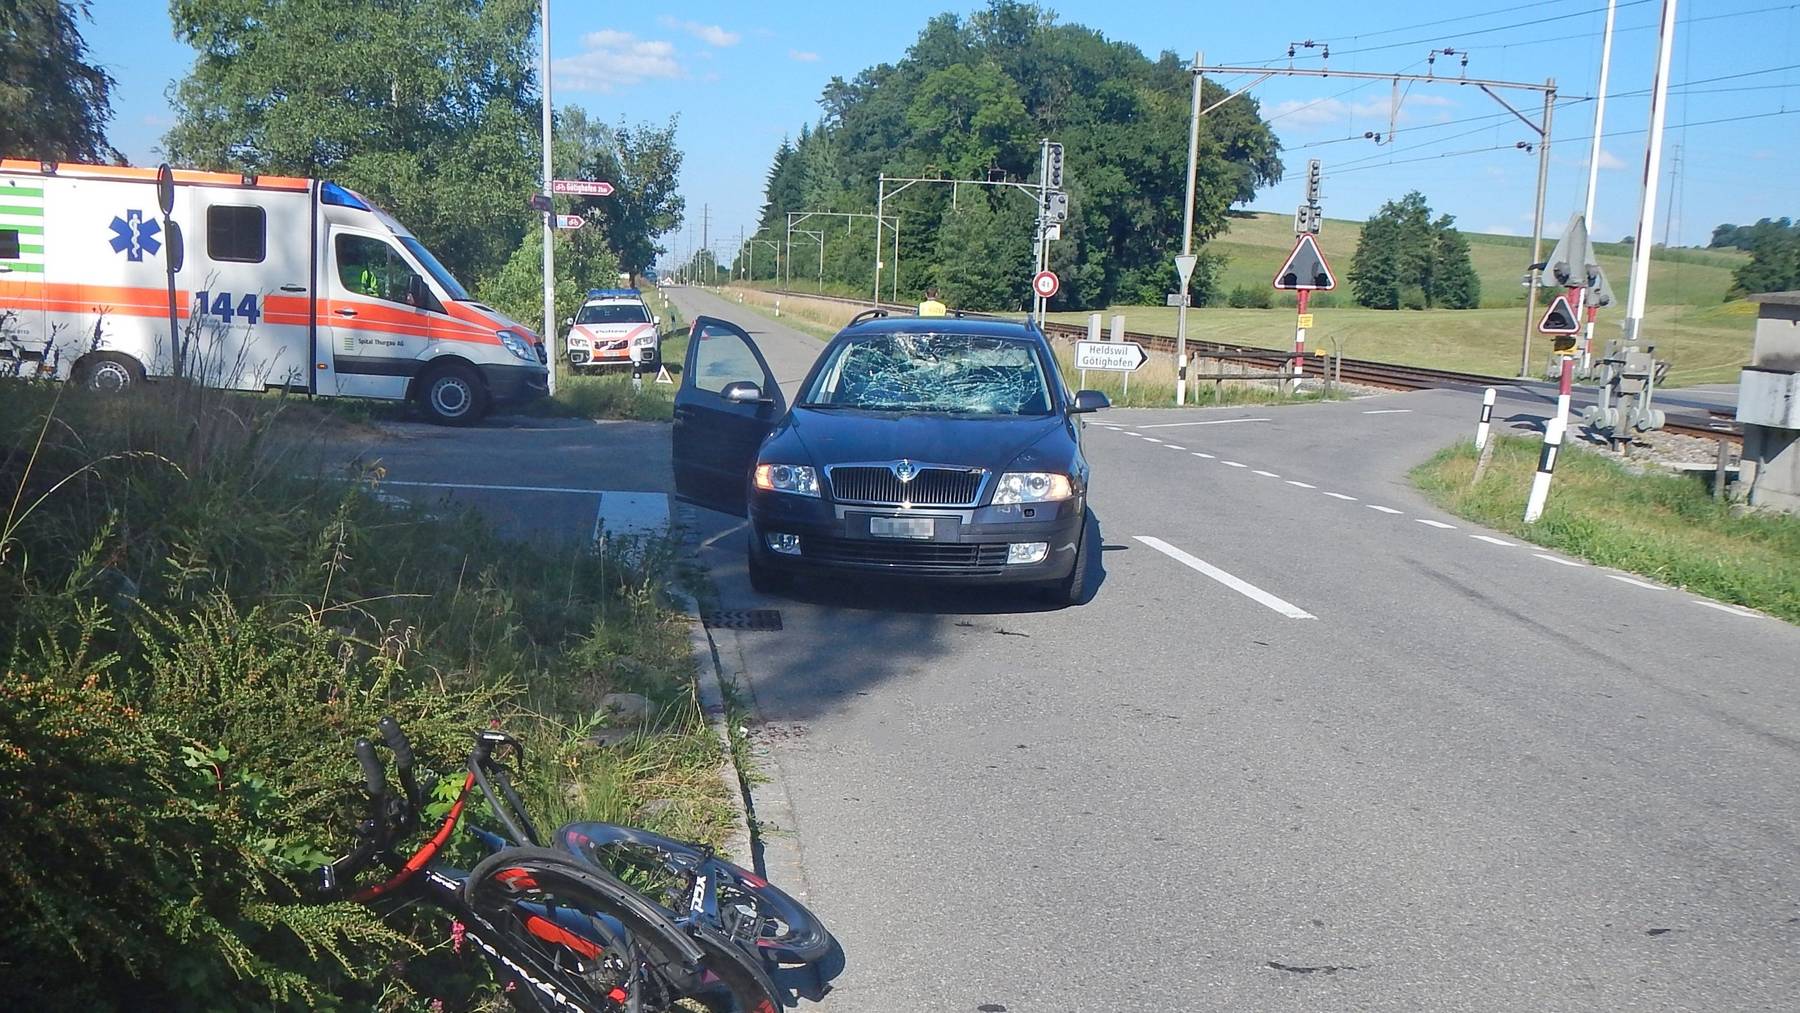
1305,269
1559,318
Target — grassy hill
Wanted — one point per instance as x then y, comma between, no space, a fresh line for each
1258,242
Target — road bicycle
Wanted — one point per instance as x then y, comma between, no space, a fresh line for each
560,933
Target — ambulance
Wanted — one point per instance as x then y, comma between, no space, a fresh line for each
614,327
279,283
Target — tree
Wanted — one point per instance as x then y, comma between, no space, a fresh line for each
986,256
57,103
1406,259
1774,258
427,107
643,164
517,289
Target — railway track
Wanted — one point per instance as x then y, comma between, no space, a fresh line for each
1364,372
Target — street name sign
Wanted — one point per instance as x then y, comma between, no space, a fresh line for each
589,187
1123,356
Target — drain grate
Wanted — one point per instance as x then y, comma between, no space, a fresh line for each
743,619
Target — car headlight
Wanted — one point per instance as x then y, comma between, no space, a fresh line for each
799,479
644,339
517,345
1032,487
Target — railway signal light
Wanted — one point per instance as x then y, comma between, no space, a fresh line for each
1053,162
1056,206
1315,172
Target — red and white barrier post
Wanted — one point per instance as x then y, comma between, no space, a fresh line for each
1300,336
1487,418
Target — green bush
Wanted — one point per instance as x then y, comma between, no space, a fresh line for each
1250,297
192,632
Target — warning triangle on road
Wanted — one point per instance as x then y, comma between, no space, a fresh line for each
1559,318
1305,268
662,375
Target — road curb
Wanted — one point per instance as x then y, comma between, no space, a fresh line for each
710,690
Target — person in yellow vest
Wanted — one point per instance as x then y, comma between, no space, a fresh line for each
931,307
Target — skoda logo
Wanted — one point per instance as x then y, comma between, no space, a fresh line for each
905,472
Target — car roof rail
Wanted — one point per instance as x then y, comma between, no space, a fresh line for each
870,314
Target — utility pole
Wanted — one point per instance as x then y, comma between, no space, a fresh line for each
1537,225
880,201
1674,174
549,333
706,230
1593,181
1184,264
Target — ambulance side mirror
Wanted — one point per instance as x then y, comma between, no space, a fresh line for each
416,295
177,248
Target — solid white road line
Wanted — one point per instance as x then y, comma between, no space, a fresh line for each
1557,559
1732,609
1491,540
1209,422
1435,524
1385,510
1389,411
1302,485
494,488
1248,590
1634,582
1339,495
1233,464
1201,453
1267,474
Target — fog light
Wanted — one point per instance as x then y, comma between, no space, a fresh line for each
1027,552
789,545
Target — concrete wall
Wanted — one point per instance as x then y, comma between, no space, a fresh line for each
1777,337
1771,462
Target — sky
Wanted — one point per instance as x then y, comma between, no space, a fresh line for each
740,77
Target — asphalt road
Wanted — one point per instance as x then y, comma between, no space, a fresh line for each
1313,745
1475,778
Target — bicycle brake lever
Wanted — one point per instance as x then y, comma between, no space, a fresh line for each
396,740
374,778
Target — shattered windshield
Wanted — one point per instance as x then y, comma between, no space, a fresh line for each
949,373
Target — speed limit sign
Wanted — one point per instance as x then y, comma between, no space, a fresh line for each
1045,284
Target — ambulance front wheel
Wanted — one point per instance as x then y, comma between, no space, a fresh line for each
110,373
453,395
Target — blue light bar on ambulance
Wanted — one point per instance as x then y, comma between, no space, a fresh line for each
614,293
331,193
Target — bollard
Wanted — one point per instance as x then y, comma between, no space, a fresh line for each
1540,482
1487,418
778,306
1564,387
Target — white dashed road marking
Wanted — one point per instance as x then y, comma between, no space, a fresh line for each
1245,588
1435,524
1201,453
1491,540
1208,422
1339,495
1732,609
1634,582
1233,464
1302,485
1385,510
1268,474
1172,446
1149,439
1389,411
1130,433
1557,559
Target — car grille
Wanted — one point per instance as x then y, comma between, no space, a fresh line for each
909,557
878,485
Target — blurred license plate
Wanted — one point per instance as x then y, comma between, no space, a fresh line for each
901,527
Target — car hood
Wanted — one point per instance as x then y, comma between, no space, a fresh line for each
845,437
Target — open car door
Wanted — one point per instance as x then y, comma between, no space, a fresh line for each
725,407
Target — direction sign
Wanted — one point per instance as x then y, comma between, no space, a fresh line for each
591,187
1123,356
1045,284
1559,318
1305,268
569,221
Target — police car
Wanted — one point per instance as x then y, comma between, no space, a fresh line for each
613,328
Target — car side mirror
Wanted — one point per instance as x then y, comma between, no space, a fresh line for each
656,321
569,322
415,292
1088,401
742,392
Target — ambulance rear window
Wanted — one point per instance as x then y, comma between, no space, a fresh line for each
9,244
236,233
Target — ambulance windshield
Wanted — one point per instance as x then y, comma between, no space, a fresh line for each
438,271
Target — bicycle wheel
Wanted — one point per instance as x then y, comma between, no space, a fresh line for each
576,940
751,909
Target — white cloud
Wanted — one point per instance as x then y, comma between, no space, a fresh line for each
611,59
1317,112
1501,230
803,56
712,35
1608,160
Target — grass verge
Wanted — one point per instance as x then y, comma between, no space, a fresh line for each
192,633
610,395
1663,526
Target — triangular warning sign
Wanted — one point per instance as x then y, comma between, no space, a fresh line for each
662,375
1305,268
1559,318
